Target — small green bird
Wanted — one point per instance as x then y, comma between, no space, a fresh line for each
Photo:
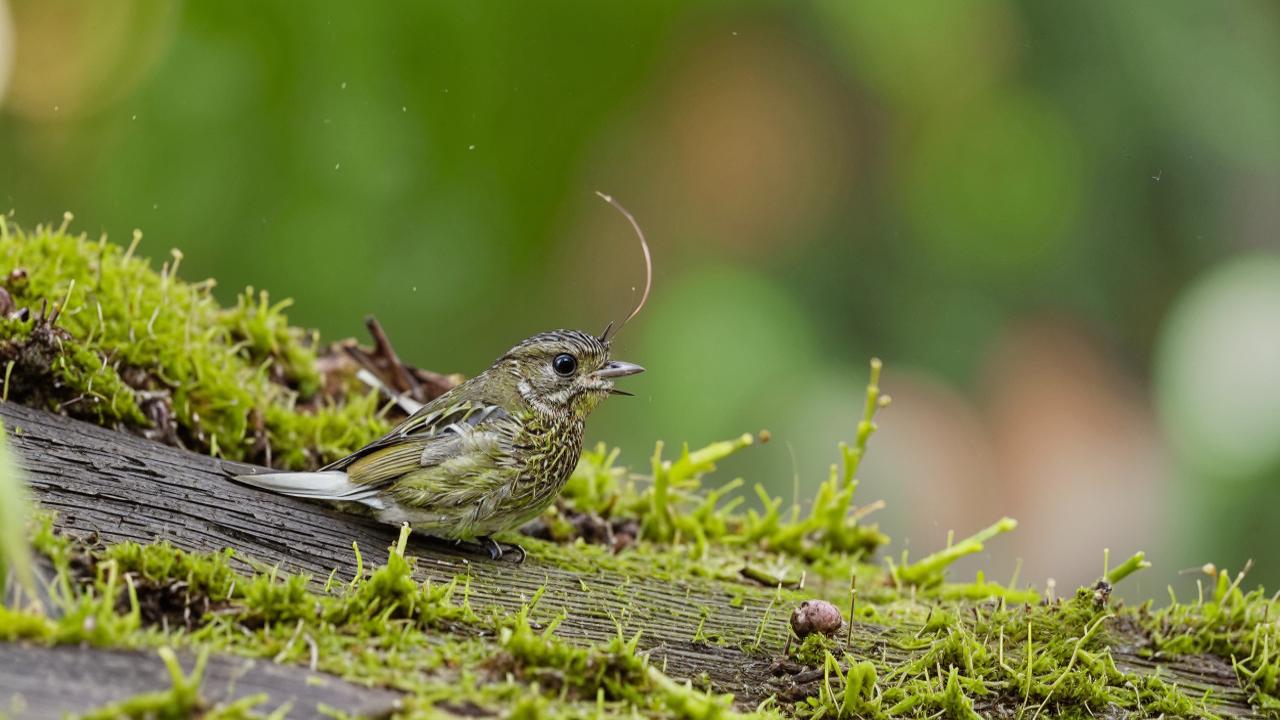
492,453
485,457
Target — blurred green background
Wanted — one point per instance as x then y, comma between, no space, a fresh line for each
1057,224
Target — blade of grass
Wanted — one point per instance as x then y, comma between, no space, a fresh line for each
14,511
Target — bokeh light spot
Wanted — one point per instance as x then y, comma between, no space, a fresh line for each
924,54
1218,370
718,344
993,189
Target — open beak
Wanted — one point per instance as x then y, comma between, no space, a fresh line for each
618,368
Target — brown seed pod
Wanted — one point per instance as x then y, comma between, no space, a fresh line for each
816,616
1101,593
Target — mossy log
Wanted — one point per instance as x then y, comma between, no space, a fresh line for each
115,486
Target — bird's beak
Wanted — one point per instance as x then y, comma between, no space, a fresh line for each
618,368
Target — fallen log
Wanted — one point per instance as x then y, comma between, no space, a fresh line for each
115,486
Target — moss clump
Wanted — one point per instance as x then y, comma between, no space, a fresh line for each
383,628
673,507
674,503
91,330
1052,660
1230,623
610,672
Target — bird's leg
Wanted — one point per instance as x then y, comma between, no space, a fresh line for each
491,546
520,549
496,549
483,545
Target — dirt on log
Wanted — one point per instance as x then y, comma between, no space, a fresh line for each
121,487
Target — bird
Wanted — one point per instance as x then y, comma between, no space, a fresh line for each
485,457
490,454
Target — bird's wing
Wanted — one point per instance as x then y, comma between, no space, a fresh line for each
472,468
428,438
451,453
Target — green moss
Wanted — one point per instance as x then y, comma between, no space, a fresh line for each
685,528
383,628
1229,623
209,575
1047,659
813,650
110,339
180,702
929,572
674,506
845,693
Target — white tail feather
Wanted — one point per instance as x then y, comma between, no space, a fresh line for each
323,485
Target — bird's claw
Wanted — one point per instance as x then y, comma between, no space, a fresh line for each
492,547
520,548
496,550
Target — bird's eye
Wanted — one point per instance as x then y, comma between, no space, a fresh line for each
564,364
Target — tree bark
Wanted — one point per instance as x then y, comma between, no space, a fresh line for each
121,487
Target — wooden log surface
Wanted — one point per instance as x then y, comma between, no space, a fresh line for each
47,683
122,487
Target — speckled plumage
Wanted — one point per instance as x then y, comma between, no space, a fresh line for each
488,456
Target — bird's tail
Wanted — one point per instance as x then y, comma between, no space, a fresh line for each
323,485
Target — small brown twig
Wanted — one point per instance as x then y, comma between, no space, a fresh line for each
853,604
403,380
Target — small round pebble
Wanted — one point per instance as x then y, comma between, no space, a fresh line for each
815,616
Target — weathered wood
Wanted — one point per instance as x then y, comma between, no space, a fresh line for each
126,488
122,487
43,683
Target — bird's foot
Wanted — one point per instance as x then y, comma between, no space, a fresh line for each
496,549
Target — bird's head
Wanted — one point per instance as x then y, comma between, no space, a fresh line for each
565,371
